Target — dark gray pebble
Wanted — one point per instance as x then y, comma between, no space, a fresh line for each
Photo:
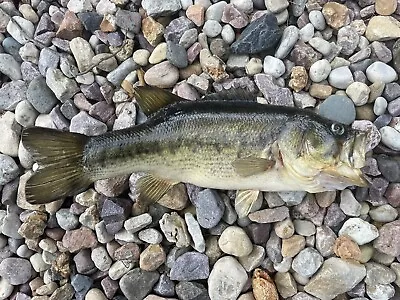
338,108
176,55
191,291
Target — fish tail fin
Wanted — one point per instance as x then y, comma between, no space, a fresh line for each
61,171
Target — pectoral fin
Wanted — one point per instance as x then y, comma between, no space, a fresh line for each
244,202
151,189
248,166
152,99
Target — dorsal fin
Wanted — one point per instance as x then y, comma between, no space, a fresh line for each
231,94
151,99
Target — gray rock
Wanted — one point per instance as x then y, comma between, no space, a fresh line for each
136,284
270,215
118,75
384,213
191,290
273,93
16,270
161,8
83,53
322,46
341,77
150,236
292,198
380,106
81,285
190,266
289,38
29,71
128,20
85,124
379,274
176,28
11,224
40,95
66,219
209,208
379,71
349,204
254,259
394,107
25,114
388,241
391,91
347,39
195,232
226,279
8,169
63,87
10,134
307,262
11,94
325,240
10,67
380,291
188,38
317,19
22,33
260,35
176,55
137,223
48,59
390,137
338,108
336,276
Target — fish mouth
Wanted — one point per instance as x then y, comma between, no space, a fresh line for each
351,160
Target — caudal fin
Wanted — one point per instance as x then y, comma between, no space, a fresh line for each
60,159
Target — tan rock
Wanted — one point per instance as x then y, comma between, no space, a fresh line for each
162,75
325,199
70,27
346,248
365,112
320,91
152,257
293,245
263,286
176,198
159,54
152,30
382,28
212,65
298,78
108,24
195,13
285,284
336,15
385,7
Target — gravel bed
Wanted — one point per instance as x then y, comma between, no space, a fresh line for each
71,65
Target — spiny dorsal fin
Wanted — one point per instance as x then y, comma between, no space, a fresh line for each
244,201
151,189
248,166
231,94
152,99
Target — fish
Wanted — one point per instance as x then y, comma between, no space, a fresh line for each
226,141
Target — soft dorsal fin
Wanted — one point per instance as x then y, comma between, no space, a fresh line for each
248,166
151,189
231,94
151,99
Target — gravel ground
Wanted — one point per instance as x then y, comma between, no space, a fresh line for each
71,64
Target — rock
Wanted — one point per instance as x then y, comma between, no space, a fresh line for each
234,16
152,258
289,38
273,93
380,291
359,230
6,289
22,32
33,227
176,28
320,70
307,262
191,290
209,208
11,94
212,28
382,28
338,108
298,79
195,232
226,279
15,270
40,96
95,294
195,13
270,215
136,284
390,137
212,65
385,8
341,77
78,239
234,241
119,269
85,124
358,92
63,87
388,241
273,66
25,114
336,15
379,71
163,75
176,55
10,67
190,266
8,169
135,224
380,106
384,213
254,259
347,39
293,245
10,134
263,287
349,204
161,8
285,284
175,230
118,75
260,35
346,248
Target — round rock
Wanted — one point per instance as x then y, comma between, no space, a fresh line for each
338,108
341,77
234,241
379,71
359,230
162,75
358,92
274,66
320,70
390,137
212,28
16,270
8,169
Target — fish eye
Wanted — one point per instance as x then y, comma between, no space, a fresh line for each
337,129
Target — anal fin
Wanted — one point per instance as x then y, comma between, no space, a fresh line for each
152,99
248,166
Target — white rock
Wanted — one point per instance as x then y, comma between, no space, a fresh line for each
10,134
359,230
106,8
37,263
390,137
384,213
25,114
82,52
63,87
322,46
162,75
307,32
358,92
15,31
227,33
304,227
320,70
10,67
6,289
119,269
317,19
226,279
245,6
101,233
214,12
276,6
289,38
379,71
95,294
341,77
8,169
380,291
150,236
78,6
349,204
273,66
212,28
254,66
195,232
101,259
380,106
234,241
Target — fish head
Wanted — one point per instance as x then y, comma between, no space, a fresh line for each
323,154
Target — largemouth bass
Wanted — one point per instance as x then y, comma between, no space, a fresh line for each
219,144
